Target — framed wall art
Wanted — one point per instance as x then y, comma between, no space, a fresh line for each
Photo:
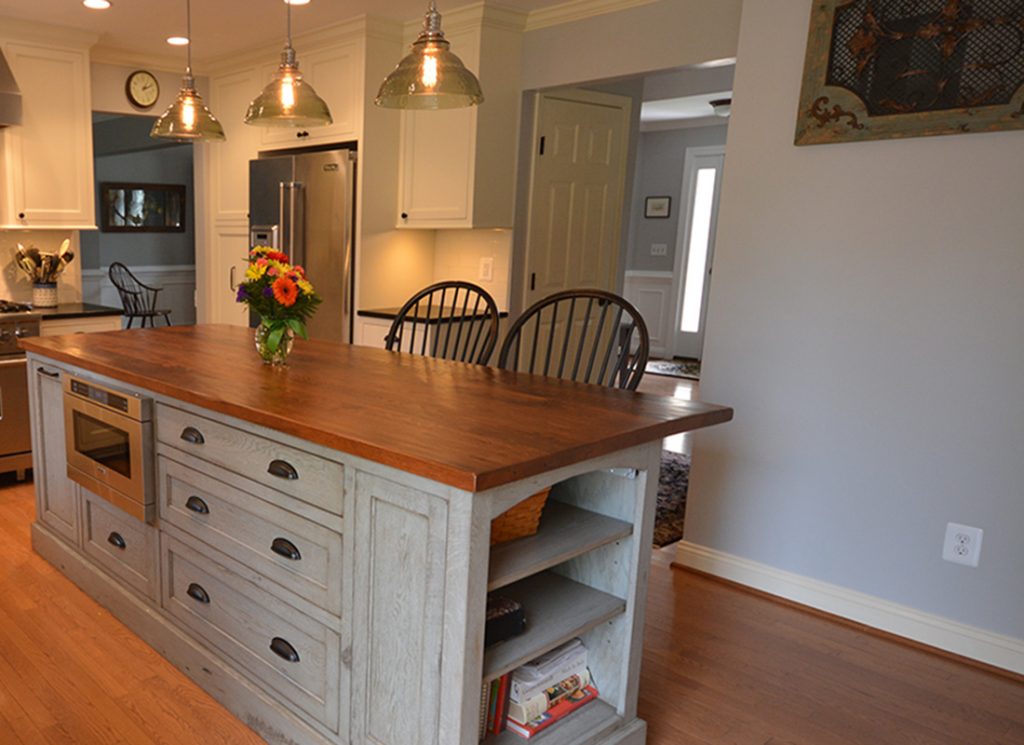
142,208
878,69
658,207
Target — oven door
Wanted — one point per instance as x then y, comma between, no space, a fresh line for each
106,447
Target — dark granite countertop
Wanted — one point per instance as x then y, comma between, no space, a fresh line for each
76,310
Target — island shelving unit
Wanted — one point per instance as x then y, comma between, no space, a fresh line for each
367,626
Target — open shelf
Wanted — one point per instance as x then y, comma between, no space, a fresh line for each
583,723
557,609
565,532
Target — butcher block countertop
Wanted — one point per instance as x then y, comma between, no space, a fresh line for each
469,426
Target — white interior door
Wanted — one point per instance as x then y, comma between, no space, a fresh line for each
695,246
576,192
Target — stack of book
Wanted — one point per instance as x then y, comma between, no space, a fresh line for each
539,694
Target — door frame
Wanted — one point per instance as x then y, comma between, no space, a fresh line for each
683,233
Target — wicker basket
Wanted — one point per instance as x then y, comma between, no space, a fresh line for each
521,520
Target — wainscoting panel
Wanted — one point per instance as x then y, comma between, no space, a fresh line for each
651,293
178,293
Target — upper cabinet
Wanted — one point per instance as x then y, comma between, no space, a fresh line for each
336,75
458,166
47,165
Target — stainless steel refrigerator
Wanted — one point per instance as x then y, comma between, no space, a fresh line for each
303,205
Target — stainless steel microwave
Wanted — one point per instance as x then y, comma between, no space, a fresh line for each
109,442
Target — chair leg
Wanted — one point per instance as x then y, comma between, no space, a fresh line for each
167,319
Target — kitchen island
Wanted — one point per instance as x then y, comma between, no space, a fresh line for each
318,557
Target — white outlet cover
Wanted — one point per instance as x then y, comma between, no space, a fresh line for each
962,544
487,268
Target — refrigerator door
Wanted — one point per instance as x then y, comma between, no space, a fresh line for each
269,179
322,193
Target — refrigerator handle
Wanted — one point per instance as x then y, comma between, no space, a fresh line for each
296,221
285,227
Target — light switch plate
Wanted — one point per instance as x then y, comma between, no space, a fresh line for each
487,269
659,249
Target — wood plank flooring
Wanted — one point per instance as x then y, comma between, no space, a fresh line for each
721,667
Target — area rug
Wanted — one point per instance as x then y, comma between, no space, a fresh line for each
673,482
675,368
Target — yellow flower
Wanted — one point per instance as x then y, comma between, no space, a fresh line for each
306,286
255,271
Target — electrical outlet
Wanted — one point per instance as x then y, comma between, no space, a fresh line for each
487,269
962,544
659,249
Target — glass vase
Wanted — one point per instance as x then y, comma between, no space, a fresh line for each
279,356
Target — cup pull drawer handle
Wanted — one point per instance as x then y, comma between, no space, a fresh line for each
192,435
283,649
284,547
282,469
196,592
115,540
197,505
49,373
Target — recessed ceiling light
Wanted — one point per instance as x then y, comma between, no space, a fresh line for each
297,2
96,4
177,41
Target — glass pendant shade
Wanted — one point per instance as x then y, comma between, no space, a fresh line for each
288,100
188,118
430,76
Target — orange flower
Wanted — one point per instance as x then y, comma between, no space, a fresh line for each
285,291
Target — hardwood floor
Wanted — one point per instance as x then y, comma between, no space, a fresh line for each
721,667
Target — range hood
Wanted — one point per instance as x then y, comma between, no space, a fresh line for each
10,96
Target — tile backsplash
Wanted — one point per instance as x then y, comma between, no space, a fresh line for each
458,254
15,284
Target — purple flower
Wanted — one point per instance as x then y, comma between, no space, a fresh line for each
242,295
268,292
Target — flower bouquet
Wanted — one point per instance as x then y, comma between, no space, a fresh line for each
282,297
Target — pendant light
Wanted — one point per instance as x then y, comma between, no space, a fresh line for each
188,118
430,76
288,100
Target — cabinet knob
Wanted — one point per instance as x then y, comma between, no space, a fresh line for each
405,215
283,649
21,215
197,593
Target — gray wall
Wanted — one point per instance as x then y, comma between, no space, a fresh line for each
866,321
659,172
165,165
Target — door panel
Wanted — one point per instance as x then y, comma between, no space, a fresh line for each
576,193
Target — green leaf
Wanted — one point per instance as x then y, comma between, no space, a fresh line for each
298,327
274,338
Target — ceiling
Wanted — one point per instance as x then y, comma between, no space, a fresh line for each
220,27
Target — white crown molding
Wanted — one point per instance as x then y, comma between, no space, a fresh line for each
470,17
577,10
16,29
125,58
972,642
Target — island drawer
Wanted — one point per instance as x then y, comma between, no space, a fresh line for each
281,649
309,477
123,545
300,555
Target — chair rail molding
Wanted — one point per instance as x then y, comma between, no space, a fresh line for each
177,280
651,293
988,647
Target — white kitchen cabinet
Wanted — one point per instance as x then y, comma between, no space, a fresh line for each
458,166
47,163
336,75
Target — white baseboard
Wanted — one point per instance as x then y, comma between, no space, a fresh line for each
178,282
1001,651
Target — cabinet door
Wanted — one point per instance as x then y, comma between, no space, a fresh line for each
335,75
48,166
56,494
398,549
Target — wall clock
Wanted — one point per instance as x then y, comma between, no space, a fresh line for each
142,89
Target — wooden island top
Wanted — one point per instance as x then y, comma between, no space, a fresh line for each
468,426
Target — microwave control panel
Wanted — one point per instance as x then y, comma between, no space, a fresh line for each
100,396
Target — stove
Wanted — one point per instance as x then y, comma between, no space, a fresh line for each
17,321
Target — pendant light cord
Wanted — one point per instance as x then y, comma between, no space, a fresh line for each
289,22
188,28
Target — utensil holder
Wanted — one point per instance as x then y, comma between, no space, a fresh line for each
44,295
